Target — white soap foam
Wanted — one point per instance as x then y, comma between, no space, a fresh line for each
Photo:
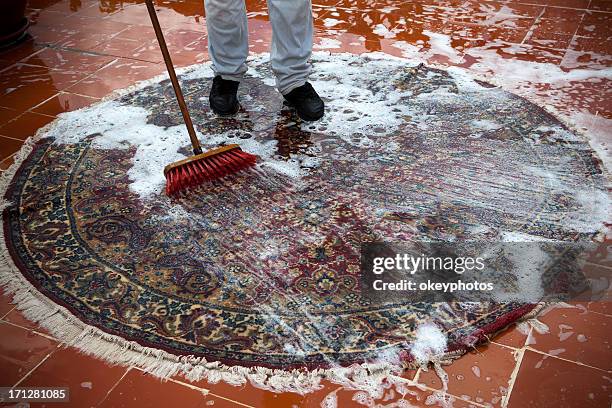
440,44
486,125
358,108
330,22
599,131
330,400
429,344
118,126
327,43
383,31
504,17
476,371
198,72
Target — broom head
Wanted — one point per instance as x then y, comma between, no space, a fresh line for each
207,166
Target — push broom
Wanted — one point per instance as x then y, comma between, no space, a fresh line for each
202,166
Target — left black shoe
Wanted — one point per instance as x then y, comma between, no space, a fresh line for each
306,102
223,97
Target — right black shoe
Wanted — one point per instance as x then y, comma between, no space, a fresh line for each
223,96
306,102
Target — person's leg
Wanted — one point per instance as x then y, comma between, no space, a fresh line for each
226,22
291,42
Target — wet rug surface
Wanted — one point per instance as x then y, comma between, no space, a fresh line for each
262,269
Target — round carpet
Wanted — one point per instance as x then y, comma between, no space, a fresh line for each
262,269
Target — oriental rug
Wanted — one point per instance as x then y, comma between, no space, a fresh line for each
262,269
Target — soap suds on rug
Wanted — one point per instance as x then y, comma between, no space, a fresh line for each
429,345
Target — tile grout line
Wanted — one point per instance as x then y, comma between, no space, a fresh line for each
565,359
48,336
568,8
435,6
417,375
112,388
417,384
526,346
78,94
13,308
191,386
13,138
92,74
35,367
204,391
533,26
230,400
99,54
513,376
599,313
505,345
515,371
40,104
474,403
574,35
59,92
50,98
42,48
30,111
89,75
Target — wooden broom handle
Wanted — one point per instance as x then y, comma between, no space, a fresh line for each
197,148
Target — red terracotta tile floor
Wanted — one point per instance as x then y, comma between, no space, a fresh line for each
80,51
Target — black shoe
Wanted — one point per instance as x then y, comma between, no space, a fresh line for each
222,98
306,102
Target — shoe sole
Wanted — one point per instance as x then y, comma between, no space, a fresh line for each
228,113
302,116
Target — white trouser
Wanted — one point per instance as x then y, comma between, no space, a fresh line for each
228,46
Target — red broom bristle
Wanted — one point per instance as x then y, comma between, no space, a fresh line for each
194,173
